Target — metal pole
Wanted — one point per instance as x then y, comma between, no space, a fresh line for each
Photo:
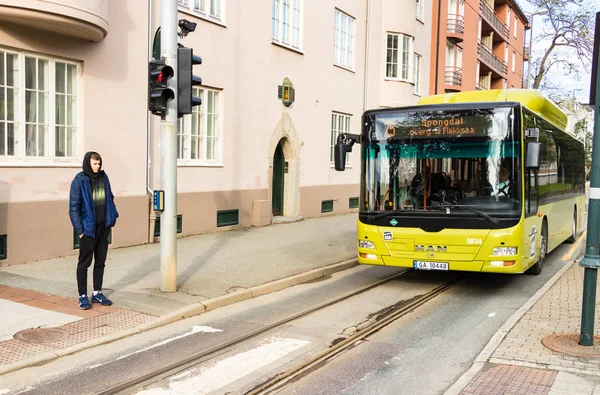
591,261
529,61
168,152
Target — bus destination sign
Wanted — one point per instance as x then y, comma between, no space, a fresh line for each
416,126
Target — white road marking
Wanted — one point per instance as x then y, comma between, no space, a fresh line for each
491,315
221,373
195,329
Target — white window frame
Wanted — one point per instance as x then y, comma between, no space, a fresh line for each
514,59
195,127
420,11
282,30
400,75
19,157
336,128
417,70
515,28
204,9
343,40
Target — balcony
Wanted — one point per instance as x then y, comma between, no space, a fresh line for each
453,79
496,64
493,20
455,27
81,19
480,87
526,54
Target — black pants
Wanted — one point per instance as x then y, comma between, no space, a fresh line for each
97,248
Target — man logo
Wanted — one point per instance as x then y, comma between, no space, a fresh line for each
430,248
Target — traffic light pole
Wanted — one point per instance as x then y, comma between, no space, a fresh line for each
168,153
591,261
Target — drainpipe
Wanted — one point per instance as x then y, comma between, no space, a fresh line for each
366,84
149,191
437,45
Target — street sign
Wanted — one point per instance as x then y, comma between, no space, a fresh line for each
159,200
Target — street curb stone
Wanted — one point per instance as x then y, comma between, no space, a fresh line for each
184,312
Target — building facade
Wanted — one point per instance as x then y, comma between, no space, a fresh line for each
477,44
281,78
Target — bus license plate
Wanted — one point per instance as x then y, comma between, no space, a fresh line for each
424,265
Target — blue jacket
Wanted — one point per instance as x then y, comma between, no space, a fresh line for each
81,206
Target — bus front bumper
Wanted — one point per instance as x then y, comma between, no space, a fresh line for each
499,265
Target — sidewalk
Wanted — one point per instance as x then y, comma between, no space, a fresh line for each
516,361
41,320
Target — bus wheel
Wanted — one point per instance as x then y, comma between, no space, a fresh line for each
537,268
573,237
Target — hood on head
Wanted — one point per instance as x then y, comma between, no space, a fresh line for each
87,167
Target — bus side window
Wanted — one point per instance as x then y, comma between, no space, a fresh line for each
531,192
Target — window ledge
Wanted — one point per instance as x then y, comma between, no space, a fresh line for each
202,16
348,166
198,164
277,43
74,163
344,68
398,80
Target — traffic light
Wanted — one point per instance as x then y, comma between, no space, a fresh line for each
186,80
158,93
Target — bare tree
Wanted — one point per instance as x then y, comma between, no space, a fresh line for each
568,24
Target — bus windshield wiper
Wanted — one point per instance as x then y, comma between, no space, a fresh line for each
470,208
385,214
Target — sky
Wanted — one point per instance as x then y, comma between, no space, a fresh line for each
580,89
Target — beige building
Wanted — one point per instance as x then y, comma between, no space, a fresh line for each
73,78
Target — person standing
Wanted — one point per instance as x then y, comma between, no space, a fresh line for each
93,213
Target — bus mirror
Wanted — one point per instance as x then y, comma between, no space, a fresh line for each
340,156
533,155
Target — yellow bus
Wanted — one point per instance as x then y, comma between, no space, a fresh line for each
485,181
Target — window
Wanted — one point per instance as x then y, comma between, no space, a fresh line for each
198,133
209,9
343,41
398,57
420,10
514,59
38,107
340,123
417,63
515,28
285,22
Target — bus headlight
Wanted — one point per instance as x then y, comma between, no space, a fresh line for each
366,244
503,251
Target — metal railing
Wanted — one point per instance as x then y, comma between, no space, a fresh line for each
453,76
492,60
526,53
480,87
492,18
456,24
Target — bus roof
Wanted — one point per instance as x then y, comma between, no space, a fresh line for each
533,99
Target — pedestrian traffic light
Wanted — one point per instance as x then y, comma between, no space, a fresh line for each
186,80
158,92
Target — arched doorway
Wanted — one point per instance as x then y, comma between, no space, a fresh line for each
278,181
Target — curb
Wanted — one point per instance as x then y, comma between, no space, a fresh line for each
499,336
184,312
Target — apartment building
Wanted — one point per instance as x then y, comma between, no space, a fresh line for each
477,44
281,78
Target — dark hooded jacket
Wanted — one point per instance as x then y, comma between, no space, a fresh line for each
91,201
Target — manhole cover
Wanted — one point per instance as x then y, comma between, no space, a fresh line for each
568,343
40,335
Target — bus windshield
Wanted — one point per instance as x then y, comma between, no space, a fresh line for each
464,163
